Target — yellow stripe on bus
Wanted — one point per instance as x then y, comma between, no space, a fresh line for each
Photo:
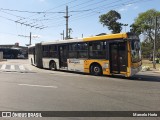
105,37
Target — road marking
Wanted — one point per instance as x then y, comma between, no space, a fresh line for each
3,67
38,86
12,67
21,67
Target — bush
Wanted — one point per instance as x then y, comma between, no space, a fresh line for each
145,68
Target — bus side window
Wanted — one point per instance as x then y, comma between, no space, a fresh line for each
97,50
82,50
53,51
73,50
46,51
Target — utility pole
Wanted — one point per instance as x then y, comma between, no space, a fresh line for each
30,38
66,22
154,44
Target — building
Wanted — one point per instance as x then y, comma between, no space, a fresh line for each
13,50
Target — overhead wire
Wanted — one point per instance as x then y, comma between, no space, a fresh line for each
102,8
81,11
89,11
26,18
52,8
38,12
34,20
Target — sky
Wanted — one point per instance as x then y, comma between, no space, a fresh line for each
45,18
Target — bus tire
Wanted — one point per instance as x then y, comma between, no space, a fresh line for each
96,70
52,66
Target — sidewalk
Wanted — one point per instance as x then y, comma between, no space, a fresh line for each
155,70
152,71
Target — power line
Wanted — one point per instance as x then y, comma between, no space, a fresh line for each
23,23
37,12
81,3
95,11
104,7
74,17
17,21
21,17
34,23
65,4
51,9
92,4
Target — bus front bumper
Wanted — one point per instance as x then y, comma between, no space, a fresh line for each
135,70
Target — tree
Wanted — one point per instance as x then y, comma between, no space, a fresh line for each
145,24
147,49
110,19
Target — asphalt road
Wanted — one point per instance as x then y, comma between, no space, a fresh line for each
28,88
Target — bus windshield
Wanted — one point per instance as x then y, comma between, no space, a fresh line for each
136,51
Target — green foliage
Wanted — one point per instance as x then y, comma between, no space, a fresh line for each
145,24
110,19
147,49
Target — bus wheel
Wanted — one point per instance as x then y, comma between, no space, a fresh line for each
96,70
52,66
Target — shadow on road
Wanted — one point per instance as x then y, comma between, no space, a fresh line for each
139,77
147,78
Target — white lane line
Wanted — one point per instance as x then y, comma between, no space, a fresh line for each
38,86
12,67
21,67
3,67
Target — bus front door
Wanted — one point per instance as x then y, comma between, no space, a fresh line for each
118,57
63,54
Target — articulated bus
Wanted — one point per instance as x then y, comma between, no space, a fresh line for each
98,55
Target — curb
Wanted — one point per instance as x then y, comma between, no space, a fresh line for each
3,60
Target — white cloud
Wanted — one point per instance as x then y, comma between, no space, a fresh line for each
128,6
122,9
136,7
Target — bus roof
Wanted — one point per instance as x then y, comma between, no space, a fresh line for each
107,37
94,38
63,41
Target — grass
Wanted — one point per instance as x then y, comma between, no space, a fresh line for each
150,64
